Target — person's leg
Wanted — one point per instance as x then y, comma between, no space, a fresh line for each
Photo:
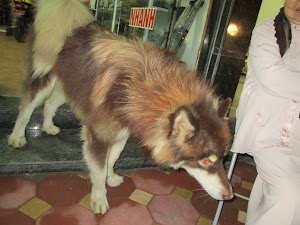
275,197
255,200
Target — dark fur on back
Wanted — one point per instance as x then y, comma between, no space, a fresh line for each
127,83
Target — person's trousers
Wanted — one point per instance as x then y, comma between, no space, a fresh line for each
275,197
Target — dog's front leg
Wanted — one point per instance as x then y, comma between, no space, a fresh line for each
113,179
99,203
96,157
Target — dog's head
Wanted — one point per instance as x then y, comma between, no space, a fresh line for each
198,140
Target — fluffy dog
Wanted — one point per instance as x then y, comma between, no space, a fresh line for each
120,87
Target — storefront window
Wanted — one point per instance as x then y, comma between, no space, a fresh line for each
105,15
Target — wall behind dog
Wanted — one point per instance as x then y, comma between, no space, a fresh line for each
269,8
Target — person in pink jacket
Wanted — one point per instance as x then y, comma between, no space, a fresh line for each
268,123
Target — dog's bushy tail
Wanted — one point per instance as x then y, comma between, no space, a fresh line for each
54,22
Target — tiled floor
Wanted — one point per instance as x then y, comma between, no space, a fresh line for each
147,196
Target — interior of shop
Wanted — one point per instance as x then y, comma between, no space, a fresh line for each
46,181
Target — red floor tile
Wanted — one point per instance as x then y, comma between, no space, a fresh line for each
246,171
14,217
153,182
240,204
62,189
229,214
123,212
242,191
121,192
15,191
67,215
235,180
171,210
204,204
207,207
182,179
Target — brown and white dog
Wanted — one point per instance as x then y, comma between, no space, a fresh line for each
120,87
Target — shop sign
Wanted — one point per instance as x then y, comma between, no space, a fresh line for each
142,17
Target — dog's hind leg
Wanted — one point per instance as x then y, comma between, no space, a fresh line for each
96,156
17,138
113,179
56,99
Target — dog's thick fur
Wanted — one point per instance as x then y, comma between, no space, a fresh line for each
120,87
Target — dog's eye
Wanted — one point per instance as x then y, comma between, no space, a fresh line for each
206,161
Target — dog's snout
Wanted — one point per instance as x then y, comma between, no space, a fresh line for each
227,196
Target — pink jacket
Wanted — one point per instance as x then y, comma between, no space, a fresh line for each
270,102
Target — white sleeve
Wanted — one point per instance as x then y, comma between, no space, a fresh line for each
278,76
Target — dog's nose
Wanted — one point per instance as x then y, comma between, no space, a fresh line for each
227,196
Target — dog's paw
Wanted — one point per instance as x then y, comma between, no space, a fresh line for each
114,180
53,130
16,142
99,203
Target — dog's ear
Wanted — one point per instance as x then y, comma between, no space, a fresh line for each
182,125
223,107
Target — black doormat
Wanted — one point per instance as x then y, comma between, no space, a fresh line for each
47,153
62,152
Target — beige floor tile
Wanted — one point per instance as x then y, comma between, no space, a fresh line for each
183,193
85,202
35,207
247,185
83,175
141,197
204,221
242,217
128,173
